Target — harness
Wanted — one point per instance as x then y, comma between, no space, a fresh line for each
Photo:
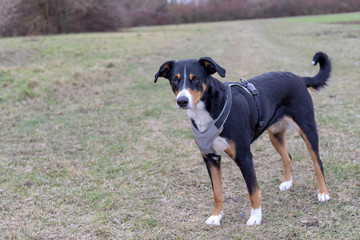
206,138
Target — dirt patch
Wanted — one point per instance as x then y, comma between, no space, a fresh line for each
348,22
328,32
338,33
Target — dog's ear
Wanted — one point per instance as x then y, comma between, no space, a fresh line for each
164,70
211,66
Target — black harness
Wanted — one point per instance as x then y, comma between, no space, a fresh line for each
251,89
206,138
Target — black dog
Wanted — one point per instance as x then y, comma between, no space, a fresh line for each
227,117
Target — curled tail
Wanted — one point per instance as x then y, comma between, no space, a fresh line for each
319,80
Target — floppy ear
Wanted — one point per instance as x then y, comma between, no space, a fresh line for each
164,70
211,66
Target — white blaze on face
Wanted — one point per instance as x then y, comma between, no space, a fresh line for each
184,92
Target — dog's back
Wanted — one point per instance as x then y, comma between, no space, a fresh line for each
288,92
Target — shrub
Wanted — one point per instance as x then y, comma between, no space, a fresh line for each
25,17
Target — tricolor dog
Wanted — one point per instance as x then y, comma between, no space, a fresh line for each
227,117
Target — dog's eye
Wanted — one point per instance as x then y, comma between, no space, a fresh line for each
175,80
193,78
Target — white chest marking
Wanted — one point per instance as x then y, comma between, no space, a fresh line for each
220,145
202,120
201,117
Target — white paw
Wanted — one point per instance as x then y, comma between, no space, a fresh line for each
215,220
323,197
255,218
285,185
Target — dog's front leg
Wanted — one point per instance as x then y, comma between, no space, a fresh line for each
213,164
245,162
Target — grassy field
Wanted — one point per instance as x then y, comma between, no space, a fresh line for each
329,18
91,148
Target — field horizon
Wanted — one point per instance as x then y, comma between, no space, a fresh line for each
93,149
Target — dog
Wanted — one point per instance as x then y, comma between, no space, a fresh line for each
226,118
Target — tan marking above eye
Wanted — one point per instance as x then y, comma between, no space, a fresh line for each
178,76
191,76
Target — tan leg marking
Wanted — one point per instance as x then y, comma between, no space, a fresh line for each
281,148
319,175
255,199
217,189
231,150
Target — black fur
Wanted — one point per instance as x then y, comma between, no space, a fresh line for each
281,94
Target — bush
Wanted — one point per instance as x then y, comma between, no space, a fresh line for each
36,17
25,17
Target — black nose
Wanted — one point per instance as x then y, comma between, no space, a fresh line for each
182,101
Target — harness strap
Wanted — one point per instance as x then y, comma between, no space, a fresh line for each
206,138
251,89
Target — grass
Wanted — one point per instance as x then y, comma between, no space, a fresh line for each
344,17
93,149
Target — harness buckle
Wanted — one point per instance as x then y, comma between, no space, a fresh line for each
252,89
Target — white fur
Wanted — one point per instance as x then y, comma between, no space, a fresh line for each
201,117
215,220
220,145
285,185
255,218
323,197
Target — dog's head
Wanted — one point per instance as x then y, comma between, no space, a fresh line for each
189,79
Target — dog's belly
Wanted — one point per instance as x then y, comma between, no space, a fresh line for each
285,123
220,145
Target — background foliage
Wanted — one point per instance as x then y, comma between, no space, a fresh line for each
23,17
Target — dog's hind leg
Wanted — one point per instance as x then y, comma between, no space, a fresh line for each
213,164
308,131
311,139
278,140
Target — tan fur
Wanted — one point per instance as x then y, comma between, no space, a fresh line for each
281,148
319,175
231,150
255,199
197,95
217,189
280,127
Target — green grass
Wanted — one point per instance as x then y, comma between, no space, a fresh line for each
91,148
344,17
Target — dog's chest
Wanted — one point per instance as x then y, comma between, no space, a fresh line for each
202,120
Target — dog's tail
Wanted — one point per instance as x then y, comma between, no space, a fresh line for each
319,80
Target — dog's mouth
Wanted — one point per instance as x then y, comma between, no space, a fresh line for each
184,108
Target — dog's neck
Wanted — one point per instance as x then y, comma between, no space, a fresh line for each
210,106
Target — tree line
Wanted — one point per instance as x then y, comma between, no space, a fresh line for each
37,17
